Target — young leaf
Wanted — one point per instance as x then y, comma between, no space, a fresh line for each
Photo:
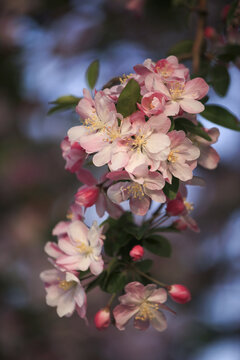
144,265
187,126
221,116
128,98
158,245
182,47
116,282
220,79
170,190
62,103
230,53
92,73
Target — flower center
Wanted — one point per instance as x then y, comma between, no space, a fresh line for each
165,71
146,311
189,206
136,190
66,285
94,123
176,88
172,157
139,142
83,248
112,134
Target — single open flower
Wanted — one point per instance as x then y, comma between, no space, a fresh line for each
144,304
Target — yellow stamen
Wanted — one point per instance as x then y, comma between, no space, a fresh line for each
136,190
69,216
83,248
124,78
176,89
139,142
94,123
146,311
189,206
172,157
66,285
164,71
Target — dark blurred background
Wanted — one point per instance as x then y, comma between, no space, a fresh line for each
45,48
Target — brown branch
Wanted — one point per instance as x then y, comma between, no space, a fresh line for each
199,38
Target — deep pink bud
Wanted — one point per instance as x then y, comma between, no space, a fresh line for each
209,32
87,195
137,252
102,318
175,207
180,225
179,293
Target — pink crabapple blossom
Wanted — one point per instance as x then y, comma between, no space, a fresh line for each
82,249
144,304
64,291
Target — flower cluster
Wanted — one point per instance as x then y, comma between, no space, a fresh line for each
144,131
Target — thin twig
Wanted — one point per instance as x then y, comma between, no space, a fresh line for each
199,37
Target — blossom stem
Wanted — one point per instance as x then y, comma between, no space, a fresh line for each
160,220
111,300
151,278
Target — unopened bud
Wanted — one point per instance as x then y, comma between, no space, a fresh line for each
175,207
87,195
179,293
102,318
209,32
137,252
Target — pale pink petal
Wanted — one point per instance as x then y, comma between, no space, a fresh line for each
66,246
116,192
171,108
76,133
139,206
79,295
158,321
49,276
137,159
156,195
103,156
195,89
66,304
158,296
209,158
191,106
160,123
61,228
157,142
122,314
181,171
52,250
119,160
93,142
78,231
96,267
140,324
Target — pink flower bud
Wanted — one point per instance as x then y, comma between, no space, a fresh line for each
180,225
137,252
87,195
102,319
209,32
175,207
179,293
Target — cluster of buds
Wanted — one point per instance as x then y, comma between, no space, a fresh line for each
144,131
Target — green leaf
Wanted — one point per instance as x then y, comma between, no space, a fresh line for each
116,282
63,103
144,265
205,99
182,47
230,53
92,73
219,79
127,101
117,234
188,126
158,245
170,190
221,116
